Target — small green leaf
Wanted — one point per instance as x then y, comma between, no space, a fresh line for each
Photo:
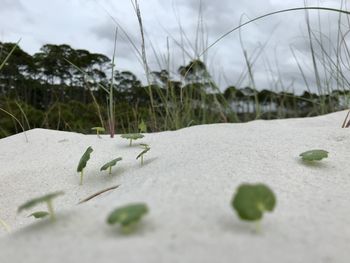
84,159
33,202
314,155
142,127
111,163
127,215
252,200
39,214
132,136
143,152
98,129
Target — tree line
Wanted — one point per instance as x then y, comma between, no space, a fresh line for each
62,88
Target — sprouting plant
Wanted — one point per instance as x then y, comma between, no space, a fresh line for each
146,149
110,164
251,201
82,163
39,214
127,216
43,199
132,136
142,127
98,130
4,225
313,155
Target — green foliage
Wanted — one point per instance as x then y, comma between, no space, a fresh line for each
62,99
110,164
142,127
39,214
83,161
313,155
127,216
252,200
141,154
132,136
42,199
98,130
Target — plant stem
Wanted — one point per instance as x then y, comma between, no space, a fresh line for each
110,170
127,229
51,211
81,177
142,160
111,99
130,143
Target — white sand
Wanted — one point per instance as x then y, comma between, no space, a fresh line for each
188,181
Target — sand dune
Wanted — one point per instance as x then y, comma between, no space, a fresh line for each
188,180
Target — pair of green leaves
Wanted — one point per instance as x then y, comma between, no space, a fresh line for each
132,137
86,157
135,136
251,201
42,199
128,216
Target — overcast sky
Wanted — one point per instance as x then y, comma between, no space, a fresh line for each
87,24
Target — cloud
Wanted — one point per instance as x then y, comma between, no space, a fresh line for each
11,5
87,24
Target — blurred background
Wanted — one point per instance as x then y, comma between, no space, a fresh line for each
73,64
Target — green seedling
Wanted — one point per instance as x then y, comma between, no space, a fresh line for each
251,201
146,149
82,163
127,216
43,199
313,155
142,127
132,136
4,225
98,130
110,164
39,214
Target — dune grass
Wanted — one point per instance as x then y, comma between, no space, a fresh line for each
3,63
328,71
199,100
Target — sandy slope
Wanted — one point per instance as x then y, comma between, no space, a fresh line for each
188,181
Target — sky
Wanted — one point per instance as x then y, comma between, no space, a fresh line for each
172,37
